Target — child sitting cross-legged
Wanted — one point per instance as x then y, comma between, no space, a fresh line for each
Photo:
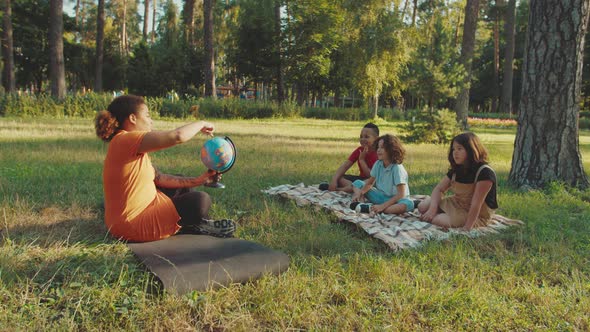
387,189
473,183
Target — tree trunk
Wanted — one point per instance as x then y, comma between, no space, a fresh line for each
100,17
124,29
506,101
496,75
189,20
337,98
8,78
209,51
146,19
546,147
278,35
155,6
56,49
403,14
77,20
414,11
375,103
467,48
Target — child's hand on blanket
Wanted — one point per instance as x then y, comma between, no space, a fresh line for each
428,215
357,197
377,208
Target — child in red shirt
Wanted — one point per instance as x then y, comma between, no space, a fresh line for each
365,156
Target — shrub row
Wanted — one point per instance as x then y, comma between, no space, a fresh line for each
44,105
87,105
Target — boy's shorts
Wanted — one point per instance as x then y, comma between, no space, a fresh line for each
377,197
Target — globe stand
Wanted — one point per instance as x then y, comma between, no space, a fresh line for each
216,184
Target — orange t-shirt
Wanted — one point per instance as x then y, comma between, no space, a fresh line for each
134,209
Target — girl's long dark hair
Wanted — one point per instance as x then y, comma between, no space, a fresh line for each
476,152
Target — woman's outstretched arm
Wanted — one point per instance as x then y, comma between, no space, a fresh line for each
158,140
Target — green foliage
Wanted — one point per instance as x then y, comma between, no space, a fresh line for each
584,123
353,114
435,74
315,26
45,105
504,116
381,54
256,54
433,127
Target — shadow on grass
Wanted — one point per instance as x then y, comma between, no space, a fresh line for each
88,231
70,253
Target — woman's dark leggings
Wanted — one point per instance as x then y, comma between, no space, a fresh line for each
192,206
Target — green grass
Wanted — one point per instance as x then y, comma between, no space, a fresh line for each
59,270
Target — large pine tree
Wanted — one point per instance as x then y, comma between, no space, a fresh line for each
8,79
467,50
210,90
547,141
57,74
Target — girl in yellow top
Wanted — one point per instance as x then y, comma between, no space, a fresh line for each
135,208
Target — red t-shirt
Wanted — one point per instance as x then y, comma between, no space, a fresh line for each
370,158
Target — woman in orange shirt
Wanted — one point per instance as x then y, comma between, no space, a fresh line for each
135,208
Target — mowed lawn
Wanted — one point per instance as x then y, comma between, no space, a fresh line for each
60,270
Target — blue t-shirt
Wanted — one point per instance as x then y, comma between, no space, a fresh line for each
387,178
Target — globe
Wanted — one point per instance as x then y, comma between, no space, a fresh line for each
218,154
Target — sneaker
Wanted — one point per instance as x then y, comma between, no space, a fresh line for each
324,186
218,228
363,208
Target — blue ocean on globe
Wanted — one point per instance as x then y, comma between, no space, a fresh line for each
218,154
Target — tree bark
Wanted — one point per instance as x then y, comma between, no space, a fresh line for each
189,20
209,50
124,29
414,11
467,49
146,19
8,78
77,20
100,17
496,77
509,30
56,49
546,147
403,13
155,6
278,35
375,102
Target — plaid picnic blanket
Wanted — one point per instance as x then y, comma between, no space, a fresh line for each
397,231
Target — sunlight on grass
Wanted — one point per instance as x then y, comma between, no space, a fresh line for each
59,269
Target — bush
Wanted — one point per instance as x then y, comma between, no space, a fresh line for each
504,116
188,107
437,127
584,123
45,105
352,114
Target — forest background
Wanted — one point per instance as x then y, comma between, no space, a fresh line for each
403,54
